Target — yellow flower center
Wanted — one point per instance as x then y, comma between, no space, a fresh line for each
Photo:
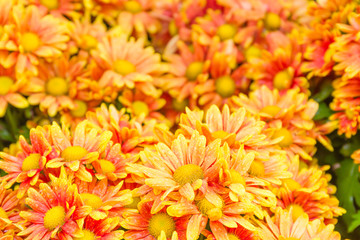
91,200
225,86
73,153
31,162
50,4
272,21
124,67
257,169
80,109
161,222
271,110
180,105
297,211
208,209
283,80
172,28
57,86
30,41
134,204
188,173
252,52
6,83
88,42
236,177
194,70
54,217
107,166
88,235
226,31
140,107
3,213
232,237
291,184
133,6
287,137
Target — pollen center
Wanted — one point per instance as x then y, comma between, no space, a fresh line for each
291,184
226,31
271,110
257,169
180,105
124,67
88,235
31,162
287,137
133,6
140,107
6,83
283,80
297,211
74,153
188,173
161,222
272,21
232,237
107,166
208,209
225,86
88,42
30,41
57,86
252,52
236,177
80,109
134,204
54,217
91,200
194,70
50,4
3,213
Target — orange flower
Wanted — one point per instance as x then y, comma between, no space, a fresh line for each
103,229
56,211
59,8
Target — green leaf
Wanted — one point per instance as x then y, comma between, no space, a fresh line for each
324,93
355,223
323,112
348,187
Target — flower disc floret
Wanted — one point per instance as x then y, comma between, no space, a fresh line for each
30,41
257,169
91,200
107,166
271,110
31,162
208,209
225,86
133,6
188,173
272,21
287,137
50,4
161,222
88,235
194,70
57,86
6,83
124,67
283,80
226,31
140,107
297,211
54,217
73,153
80,109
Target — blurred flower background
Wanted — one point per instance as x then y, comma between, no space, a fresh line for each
179,119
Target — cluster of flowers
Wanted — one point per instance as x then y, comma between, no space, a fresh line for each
183,119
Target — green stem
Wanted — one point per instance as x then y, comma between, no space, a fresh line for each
11,122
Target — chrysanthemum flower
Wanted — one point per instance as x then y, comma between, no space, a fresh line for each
56,211
9,206
10,90
26,166
149,226
57,85
238,233
34,36
309,191
105,201
59,8
105,229
78,149
126,63
289,115
283,226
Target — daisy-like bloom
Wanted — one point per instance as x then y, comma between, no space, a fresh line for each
283,226
56,210
139,104
59,8
280,65
77,150
56,86
9,206
126,63
148,226
238,233
183,168
26,166
34,36
72,117
11,86
288,115
346,105
309,191
105,229
104,200
131,134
